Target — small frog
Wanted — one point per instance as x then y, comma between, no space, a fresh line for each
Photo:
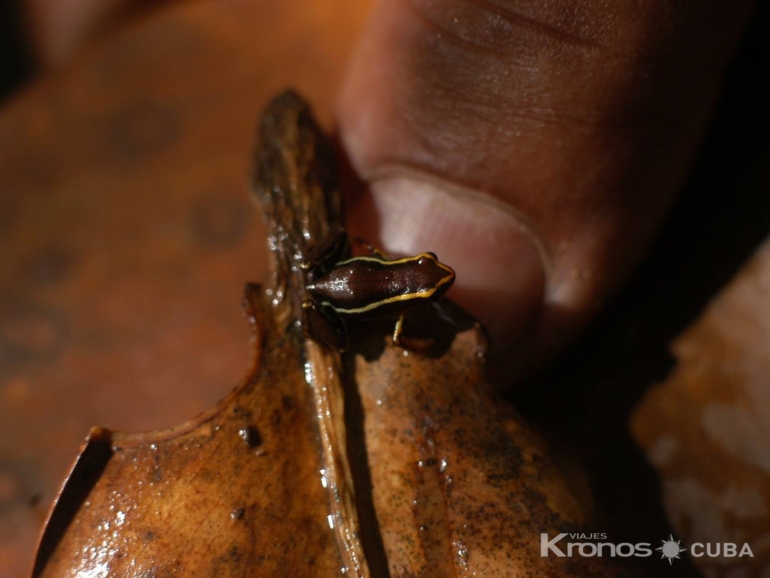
365,287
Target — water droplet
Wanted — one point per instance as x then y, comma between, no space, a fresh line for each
251,436
461,553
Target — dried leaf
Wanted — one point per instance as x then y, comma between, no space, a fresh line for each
460,485
238,491
384,462
706,429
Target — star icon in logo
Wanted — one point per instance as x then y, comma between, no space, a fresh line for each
670,549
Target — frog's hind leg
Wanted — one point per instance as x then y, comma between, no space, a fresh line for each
371,248
322,323
327,253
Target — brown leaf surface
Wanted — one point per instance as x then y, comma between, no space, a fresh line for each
223,495
451,482
461,486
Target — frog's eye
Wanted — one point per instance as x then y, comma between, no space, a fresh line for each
425,257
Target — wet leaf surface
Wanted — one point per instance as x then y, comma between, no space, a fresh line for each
461,486
449,480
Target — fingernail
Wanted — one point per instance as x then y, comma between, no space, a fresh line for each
496,255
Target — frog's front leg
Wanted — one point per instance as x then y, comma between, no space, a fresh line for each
421,346
398,331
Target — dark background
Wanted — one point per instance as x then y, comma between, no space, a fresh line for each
15,60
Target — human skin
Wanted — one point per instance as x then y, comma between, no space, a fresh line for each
535,146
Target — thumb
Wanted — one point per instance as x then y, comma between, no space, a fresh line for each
535,147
